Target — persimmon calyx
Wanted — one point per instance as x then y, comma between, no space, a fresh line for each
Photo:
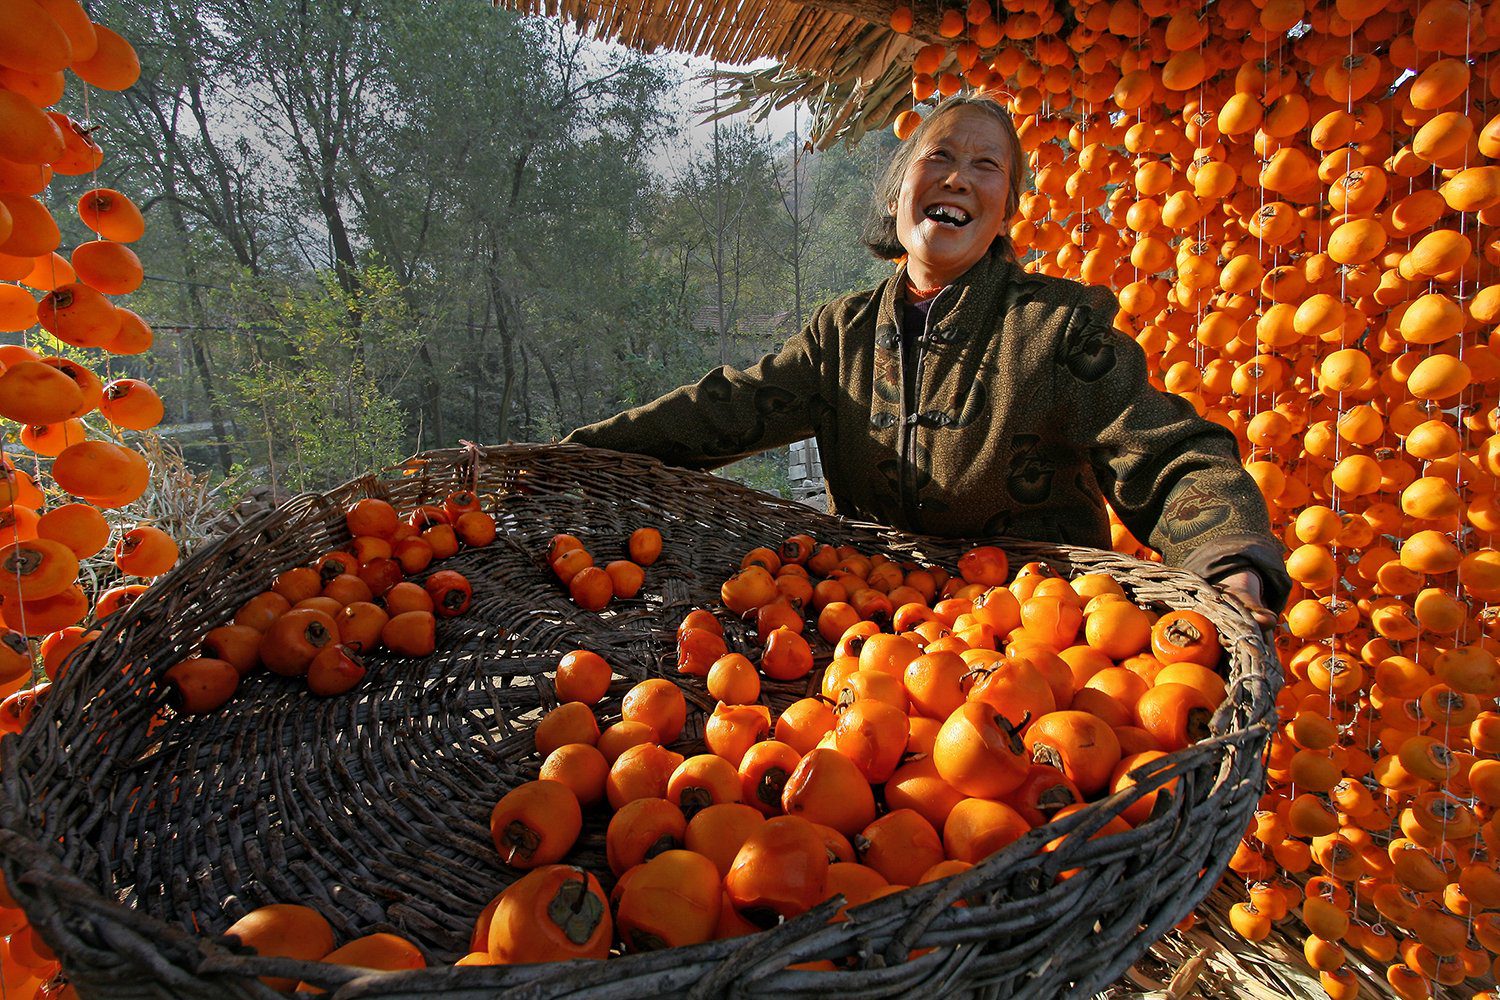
521,840
575,910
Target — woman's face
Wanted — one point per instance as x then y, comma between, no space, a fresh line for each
952,200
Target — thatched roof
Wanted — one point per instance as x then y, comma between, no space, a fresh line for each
839,55
805,35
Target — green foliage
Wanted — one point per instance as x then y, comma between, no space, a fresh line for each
766,472
325,430
378,226
323,392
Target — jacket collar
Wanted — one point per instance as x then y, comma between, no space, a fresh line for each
963,309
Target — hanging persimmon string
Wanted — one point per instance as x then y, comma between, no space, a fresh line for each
1302,205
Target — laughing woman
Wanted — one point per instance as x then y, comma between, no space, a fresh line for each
966,397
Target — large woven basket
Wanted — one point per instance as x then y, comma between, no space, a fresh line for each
132,847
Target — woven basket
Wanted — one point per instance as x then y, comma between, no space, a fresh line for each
132,847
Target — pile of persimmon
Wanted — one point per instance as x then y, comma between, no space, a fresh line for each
592,587
319,621
931,746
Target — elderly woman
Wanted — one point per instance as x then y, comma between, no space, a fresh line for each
965,397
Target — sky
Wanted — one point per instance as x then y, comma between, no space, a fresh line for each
697,134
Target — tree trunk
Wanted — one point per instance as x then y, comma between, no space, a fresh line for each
506,325
481,374
195,337
552,385
433,394
719,234
577,385
528,430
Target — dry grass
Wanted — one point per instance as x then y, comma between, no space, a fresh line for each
190,507
1212,962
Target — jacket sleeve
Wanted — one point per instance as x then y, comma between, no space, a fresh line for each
1173,477
728,414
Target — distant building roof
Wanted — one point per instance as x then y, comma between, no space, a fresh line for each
760,326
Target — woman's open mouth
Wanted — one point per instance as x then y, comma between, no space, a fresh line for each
948,215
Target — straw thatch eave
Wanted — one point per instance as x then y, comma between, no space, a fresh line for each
779,29
838,55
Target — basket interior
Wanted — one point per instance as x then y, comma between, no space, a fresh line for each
373,806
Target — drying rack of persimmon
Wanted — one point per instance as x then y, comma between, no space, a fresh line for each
135,835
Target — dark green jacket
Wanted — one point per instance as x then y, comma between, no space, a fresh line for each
1027,410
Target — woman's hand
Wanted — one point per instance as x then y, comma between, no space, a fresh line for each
1245,587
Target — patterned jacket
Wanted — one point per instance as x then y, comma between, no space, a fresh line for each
1028,410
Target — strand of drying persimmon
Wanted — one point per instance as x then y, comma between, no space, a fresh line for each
1362,705
1339,568
1198,298
1135,270
36,663
49,263
108,361
1336,501
963,77
1088,234
1256,398
1427,351
36,462
1479,238
1460,293
1396,797
1259,291
1041,114
1458,416
88,118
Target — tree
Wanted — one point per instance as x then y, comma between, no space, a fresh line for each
399,223
524,156
726,199
836,261
328,398
801,211
169,143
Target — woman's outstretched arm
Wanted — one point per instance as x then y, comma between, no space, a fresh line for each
1173,477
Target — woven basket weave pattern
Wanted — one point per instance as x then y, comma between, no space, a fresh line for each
131,846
